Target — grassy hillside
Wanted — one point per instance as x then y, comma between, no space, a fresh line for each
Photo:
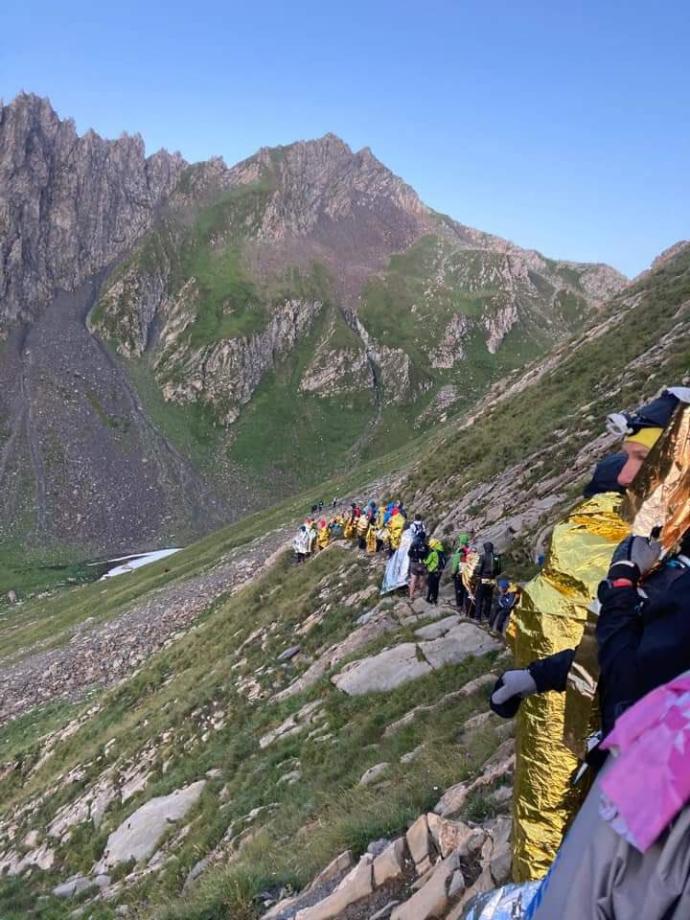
273,814
187,713
641,343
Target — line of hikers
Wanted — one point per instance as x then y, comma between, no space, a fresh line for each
376,528
416,561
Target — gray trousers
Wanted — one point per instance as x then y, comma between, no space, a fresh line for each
598,876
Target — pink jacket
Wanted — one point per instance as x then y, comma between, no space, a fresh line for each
649,782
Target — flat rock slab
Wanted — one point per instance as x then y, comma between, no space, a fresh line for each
410,661
463,640
438,629
385,671
137,836
78,884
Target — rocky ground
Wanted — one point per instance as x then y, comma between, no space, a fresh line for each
335,645
98,655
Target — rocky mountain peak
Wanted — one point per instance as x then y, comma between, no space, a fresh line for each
669,254
323,180
69,204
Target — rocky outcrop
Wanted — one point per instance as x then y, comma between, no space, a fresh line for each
69,204
432,871
452,642
451,348
322,181
226,373
499,324
138,835
334,372
128,308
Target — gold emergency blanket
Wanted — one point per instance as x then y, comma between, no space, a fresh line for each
660,495
552,727
550,618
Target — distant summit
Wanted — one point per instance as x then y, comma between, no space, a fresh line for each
187,333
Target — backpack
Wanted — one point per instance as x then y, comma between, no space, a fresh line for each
496,565
442,560
418,551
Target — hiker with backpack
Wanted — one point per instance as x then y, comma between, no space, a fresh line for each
417,553
458,558
434,564
487,569
417,526
507,597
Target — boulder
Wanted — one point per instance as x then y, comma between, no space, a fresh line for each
356,885
324,883
385,671
463,640
419,844
78,884
454,836
137,837
412,755
342,863
432,899
500,764
501,852
483,883
390,864
374,774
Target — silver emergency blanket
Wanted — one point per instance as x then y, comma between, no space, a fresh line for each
508,903
398,568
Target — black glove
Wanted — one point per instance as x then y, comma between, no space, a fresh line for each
509,691
634,558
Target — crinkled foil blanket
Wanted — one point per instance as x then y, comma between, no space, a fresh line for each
553,615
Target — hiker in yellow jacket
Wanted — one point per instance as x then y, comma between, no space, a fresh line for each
396,525
324,534
351,522
361,529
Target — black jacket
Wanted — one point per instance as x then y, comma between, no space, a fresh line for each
485,564
418,551
643,641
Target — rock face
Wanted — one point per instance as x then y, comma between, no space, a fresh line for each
69,205
227,374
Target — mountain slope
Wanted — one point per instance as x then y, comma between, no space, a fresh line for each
185,344
248,699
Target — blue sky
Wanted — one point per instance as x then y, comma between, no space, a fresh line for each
562,126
